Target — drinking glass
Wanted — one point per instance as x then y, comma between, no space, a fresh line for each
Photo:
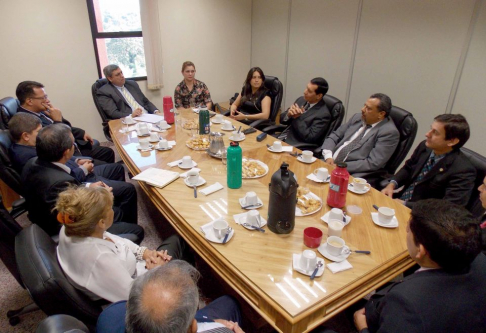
224,156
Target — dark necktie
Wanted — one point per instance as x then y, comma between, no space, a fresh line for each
347,149
407,195
306,106
43,116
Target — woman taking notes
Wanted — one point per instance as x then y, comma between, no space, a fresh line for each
96,262
253,102
191,92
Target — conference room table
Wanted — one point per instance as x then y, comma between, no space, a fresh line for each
258,266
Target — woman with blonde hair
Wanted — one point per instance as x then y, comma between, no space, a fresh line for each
95,261
191,92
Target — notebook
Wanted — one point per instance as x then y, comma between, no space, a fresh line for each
157,177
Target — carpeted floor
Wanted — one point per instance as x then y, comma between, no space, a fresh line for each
13,296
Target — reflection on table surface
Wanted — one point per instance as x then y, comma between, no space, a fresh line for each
259,265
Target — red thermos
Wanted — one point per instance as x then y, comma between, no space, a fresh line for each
168,106
338,186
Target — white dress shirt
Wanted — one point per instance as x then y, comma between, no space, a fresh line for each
128,92
98,267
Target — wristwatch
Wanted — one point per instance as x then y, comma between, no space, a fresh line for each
246,119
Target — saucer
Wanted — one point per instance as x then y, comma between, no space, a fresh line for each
376,220
163,128
243,220
125,123
194,164
201,181
214,121
299,158
343,256
148,149
143,135
163,149
317,180
352,189
208,232
296,265
237,140
154,141
274,151
258,205
228,129
325,218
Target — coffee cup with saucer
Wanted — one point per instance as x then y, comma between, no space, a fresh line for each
385,217
237,136
250,201
334,249
321,174
277,146
186,163
306,262
252,220
227,126
220,227
163,125
128,120
163,145
154,137
144,144
218,118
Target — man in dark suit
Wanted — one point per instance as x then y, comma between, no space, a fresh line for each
309,117
166,299
120,98
437,168
482,197
34,100
45,176
447,293
367,141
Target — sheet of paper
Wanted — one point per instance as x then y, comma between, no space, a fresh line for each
149,118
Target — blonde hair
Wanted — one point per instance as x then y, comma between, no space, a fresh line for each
81,208
187,64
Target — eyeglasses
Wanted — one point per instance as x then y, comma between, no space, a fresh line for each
44,97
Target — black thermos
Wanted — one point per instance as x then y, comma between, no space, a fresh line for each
283,198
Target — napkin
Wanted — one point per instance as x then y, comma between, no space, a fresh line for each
210,189
175,163
171,143
339,266
184,175
313,177
238,217
284,148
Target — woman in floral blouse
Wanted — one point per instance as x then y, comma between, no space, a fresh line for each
191,90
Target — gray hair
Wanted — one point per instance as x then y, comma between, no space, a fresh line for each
108,70
52,141
22,122
178,304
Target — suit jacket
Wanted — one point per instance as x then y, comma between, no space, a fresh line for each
114,104
452,178
42,182
310,127
432,301
372,152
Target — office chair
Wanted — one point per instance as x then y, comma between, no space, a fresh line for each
8,107
42,276
61,323
474,205
104,119
335,107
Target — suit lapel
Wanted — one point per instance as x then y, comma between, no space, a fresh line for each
442,166
118,92
312,111
371,134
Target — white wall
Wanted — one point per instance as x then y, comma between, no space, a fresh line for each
50,42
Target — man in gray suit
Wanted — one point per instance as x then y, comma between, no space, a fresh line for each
120,98
367,141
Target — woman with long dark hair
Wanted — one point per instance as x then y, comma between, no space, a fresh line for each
253,102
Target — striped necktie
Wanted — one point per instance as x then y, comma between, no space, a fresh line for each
347,149
407,195
130,100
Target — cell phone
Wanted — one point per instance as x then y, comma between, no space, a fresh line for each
260,137
249,130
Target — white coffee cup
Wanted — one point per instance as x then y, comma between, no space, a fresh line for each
251,199
142,129
237,135
227,125
385,214
253,218
163,124
308,260
129,120
154,137
321,173
277,146
335,245
218,118
186,162
220,227
307,156
164,144
144,144
360,184
192,176
336,214
335,228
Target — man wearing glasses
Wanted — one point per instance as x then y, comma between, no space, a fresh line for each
34,100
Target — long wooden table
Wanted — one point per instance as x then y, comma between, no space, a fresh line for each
259,265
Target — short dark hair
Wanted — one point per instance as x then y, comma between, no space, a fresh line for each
178,279
456,127
322,85
108,70
449,233
385,103
22,122
25,89
52,141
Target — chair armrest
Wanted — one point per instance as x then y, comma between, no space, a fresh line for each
261,123
274,128
18,208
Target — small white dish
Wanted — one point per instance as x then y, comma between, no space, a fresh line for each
163,149
154,141
200,182
376,220
194,164
228,129
274,151
162,128
343,256
299,158
354,190
238,139
263,222
143,149
208,232
214,121
296,265
325,218
317,180
243,204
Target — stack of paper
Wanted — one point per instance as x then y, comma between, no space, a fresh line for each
157,177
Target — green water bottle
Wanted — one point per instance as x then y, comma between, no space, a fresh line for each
234,164
204,128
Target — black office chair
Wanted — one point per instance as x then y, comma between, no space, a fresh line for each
8,107
61,324
335,107
474,205
41,274
104,119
